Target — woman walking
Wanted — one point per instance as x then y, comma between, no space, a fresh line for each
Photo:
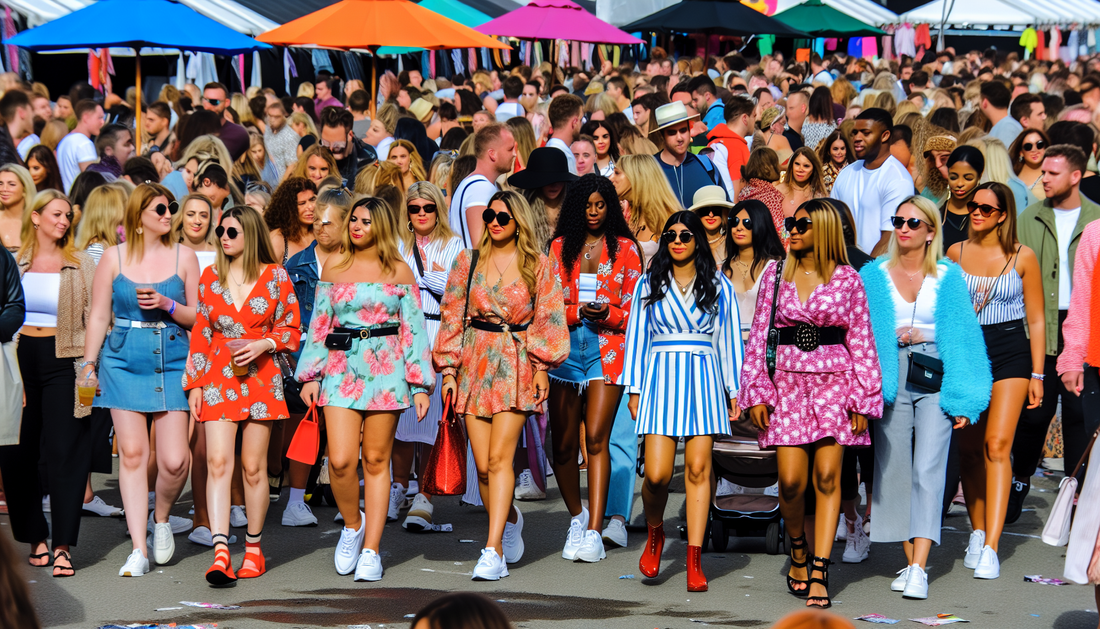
752,243
711,206
964,172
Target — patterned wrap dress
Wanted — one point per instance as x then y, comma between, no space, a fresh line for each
271,312
376,374
495,370
683,361
814,392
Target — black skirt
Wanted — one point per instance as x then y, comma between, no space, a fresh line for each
1009,350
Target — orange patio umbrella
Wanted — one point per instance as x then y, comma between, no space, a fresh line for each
370,24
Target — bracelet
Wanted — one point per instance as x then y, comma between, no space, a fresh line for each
274,346
85,364
172,309
1037,376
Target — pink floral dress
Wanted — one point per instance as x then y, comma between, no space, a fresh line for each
814,392
377,374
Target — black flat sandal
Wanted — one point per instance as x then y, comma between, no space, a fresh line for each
821,564
66,571
797,543
45,555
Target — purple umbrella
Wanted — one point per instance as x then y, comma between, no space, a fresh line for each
556,19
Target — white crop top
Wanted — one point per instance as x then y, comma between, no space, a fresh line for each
41,292
924,320
586,288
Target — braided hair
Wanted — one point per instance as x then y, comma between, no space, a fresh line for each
572,225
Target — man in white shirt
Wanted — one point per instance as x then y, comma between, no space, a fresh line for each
510,108
76,151
874,186
15,108
994,104
495,149
820,71
565,113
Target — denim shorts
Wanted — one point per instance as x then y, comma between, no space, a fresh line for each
583,364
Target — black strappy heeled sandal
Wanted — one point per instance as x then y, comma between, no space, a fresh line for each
797,543
821,564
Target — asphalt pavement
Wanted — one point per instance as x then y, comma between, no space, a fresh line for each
301,588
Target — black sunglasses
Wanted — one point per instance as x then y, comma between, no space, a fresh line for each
428,208
213,101
670,236
710,210
801,225
747,222
984,208
1038,145
171,208
899,222
219,231
502,218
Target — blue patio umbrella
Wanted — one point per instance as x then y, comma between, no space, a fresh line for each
136,24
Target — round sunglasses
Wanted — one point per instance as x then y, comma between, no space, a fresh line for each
171,208
671,236
735,220
913,223
1038,145
232,232
502,218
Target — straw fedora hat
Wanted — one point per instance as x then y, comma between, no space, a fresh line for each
421,109
671,114
709,196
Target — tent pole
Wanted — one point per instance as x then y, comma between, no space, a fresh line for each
374,81
137,107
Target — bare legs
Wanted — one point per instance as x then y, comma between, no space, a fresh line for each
493,442
349,432
660,454
403,454
173,458
220,440
794,478
597,407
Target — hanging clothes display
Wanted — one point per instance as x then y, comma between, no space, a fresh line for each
1028,40
321,61
1054,45
1040,45
764,44
855,47
904,38
870,48
888,43
289,69
922,39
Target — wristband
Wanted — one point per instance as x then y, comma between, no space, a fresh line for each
172,308
85,364
274,347
1037,376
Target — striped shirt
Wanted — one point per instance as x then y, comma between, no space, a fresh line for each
1004,299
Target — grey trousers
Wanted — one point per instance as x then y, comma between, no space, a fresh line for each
911,445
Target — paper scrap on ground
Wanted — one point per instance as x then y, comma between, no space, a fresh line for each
466,541
440,528
627,576
1038,578
939,619
167,609
358,626
878,619
209,605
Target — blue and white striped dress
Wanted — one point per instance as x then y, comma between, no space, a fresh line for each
442,253
683,362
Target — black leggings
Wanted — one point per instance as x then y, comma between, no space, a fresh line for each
850,478
1031,432
49,431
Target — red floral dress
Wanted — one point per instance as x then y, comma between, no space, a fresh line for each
770,195
271,312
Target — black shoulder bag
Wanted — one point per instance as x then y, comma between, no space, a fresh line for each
925,371
420,269
773,333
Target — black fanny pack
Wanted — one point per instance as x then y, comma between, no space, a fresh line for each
808,337
341,338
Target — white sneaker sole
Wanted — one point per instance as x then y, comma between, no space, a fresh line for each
416,524
915,595
590,559
859,559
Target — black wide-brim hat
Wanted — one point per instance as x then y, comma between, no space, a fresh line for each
545,166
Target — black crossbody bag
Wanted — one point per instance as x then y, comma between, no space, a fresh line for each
925,371
772,346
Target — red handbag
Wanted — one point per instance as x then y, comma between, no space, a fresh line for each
307,438
445,474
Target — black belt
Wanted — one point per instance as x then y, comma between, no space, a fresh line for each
485,326
808,337
432,317
368,333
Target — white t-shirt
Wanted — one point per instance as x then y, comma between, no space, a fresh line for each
628,111
383,148
74,149
1065,221
873,196
509,110
472,191
564,148
26,144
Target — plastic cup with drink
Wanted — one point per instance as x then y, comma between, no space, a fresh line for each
234,346
86,388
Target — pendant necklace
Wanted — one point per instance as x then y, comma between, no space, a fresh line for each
684,289
588,246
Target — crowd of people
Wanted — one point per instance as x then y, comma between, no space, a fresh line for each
659,251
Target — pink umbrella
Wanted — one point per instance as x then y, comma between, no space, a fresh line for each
556,19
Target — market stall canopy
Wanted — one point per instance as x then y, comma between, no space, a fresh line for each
556,19
1062,10
227,12
970,13
458,11
820,20
863,10
715,17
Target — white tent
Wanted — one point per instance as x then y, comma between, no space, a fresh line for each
970,13
229,13
862,10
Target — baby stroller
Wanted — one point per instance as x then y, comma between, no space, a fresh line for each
738,459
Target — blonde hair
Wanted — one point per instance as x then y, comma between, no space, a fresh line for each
257,245
142,196
300,117
206,148
416,164
177,221
632,142
239,103
524,134
29,246
933,252
998,163
52,134
245,166
388,174
526,239
382,228
829,247
650,195
602,102
429,192
388,115
333,197
25,180
903,109
102,213
301,168
306,89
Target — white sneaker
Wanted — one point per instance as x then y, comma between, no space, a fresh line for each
513,539
164,545
369,566
298,514
350,546
136,565
238,519
575,536
490,567
45,504
397,498
898,584
989,566
917,584
591,549
841,530
102,509
615,533
202,536
974,549
420,513
179,525
857,546
526,489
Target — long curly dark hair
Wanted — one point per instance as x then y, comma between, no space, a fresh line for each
573,224
706,270
282,212
766,245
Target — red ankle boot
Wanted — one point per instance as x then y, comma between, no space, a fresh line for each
650,563
697,581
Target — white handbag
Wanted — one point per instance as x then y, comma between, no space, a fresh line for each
1056,531
11,395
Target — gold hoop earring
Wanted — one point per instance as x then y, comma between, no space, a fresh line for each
411,227
140,231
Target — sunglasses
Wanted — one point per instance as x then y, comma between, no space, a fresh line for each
709,211
984,208
213,101
232,232
670,237
335,147
747,222
800,226
899,222
1038,145
171,208
428,208
502,218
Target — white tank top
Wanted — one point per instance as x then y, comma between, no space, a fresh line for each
41,292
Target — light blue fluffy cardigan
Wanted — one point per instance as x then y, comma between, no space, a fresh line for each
967,378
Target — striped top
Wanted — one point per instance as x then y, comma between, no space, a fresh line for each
1005,300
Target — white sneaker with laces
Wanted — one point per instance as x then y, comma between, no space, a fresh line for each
591,549
615,533
369,566
513,539
420,513
238,519
989,566
397,498
898,584
97,506
857,546
164,545
491,567
202,536
298,514
974,549
350,546
526,489
575,536
917,584
136,565
841,530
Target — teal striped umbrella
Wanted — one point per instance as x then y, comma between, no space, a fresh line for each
460,12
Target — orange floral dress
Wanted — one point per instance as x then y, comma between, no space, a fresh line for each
270,313
495,370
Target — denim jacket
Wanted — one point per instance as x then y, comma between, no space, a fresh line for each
304,273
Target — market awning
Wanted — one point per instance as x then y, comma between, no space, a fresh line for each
227,12
820,20
717,17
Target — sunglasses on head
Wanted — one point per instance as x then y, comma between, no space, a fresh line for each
984,208
502,218
800,226
899,222
232,232
171,208
1038,145
428,208
747,222
709,211
671,236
